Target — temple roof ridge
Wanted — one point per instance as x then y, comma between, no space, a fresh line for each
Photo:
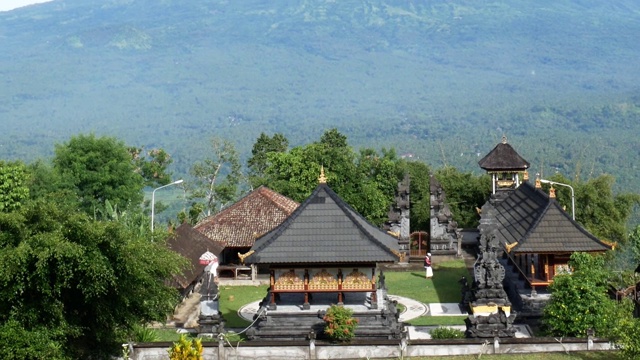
324,229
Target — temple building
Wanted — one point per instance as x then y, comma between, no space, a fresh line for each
535,232
191,244
324,253
237,227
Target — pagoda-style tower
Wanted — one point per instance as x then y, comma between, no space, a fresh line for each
504,165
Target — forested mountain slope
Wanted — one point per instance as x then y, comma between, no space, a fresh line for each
442,80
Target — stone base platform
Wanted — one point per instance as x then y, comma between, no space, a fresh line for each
291,322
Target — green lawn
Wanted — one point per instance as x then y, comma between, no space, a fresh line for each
232,298
443,287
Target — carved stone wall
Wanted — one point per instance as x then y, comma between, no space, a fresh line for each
398,223
445,235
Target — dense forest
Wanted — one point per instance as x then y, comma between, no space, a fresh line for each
439,81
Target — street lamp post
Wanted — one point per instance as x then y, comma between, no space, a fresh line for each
153,199
573,195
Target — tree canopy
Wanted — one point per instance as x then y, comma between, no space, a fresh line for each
99,169
215,178
13,185
464,193
366,180
86,280
579,300
258,161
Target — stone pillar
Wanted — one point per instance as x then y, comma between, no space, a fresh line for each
221,352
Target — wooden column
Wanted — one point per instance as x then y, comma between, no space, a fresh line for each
272,280
306,305
340,293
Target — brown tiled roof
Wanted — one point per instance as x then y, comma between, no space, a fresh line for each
324,229
538,224
191,244
252,216
503,157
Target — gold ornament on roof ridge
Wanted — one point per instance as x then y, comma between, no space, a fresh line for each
322,179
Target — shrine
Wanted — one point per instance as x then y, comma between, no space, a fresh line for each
324,253
535,233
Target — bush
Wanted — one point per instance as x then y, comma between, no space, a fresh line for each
186,349
340,325
143,333
446,333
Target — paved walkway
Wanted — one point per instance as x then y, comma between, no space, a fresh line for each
412,309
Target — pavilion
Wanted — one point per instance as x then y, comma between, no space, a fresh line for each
324,253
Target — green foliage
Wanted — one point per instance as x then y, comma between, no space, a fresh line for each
446,333
13,185
216,178
367,180
89,281
340,324
186,349
370,84
627,339
257,163
419,196
579,300
18,342
144,333
99,169
464,193
154,168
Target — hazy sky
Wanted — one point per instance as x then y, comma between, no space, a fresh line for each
6,5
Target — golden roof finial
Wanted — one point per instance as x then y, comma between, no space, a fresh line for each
552,192
504,138
538,183
322,179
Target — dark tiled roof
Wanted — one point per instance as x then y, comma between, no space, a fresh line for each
539,225
324,229
191,244
503,157
252,216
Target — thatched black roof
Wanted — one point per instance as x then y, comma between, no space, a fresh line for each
503,157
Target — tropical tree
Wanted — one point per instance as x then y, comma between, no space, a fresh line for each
258,161
152,165
13,185
419,196
74,286
579,301
465,192
216,178
99,169
366,180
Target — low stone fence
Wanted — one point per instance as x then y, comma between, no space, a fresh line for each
379,349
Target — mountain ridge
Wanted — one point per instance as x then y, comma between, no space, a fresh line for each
438,80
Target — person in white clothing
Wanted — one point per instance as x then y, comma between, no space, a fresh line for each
427,266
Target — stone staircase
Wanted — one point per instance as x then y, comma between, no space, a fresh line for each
526,303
